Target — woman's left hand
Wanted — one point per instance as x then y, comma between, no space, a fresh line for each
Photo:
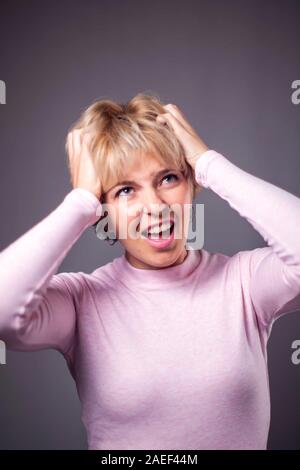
193,145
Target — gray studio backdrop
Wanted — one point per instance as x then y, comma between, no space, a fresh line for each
228,64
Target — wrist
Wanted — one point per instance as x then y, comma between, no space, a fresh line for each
95,192
192,159
90,203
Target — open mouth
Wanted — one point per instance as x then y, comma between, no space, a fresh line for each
157,233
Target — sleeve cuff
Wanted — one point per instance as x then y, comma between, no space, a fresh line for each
203,164
89,203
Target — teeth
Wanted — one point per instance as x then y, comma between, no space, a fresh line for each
162,228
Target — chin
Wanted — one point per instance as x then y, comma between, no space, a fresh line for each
164,258
143,254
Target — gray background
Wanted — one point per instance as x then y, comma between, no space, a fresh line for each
228,64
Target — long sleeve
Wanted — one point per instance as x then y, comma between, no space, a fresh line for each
37,306
274,270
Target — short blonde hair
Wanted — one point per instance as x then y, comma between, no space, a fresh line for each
120,132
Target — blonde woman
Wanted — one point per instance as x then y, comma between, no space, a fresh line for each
167,345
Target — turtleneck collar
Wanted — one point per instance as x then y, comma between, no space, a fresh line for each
173,275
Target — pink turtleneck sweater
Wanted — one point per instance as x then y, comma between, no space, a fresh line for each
163,359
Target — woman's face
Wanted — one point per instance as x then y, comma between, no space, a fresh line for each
151,193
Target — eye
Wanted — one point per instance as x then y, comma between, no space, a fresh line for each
118,193
171,175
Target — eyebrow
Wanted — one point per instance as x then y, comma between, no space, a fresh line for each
153,174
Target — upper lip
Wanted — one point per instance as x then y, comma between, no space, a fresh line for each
158,224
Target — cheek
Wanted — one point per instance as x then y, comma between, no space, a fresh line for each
185,202
181,194
182,197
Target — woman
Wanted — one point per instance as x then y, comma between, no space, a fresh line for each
167,345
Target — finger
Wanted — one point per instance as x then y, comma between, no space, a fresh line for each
72,146
69,144
77,143
69,156
74,158
69,153
87,138
87,147
175,125
173,109
86,155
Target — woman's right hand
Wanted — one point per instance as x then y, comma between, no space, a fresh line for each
81,166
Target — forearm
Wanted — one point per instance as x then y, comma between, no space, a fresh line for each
28,263
272,211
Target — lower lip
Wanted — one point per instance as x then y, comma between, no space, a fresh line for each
162,242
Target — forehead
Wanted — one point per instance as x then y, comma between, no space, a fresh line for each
144,166
138,167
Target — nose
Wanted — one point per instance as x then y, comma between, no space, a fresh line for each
152,204
151,199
